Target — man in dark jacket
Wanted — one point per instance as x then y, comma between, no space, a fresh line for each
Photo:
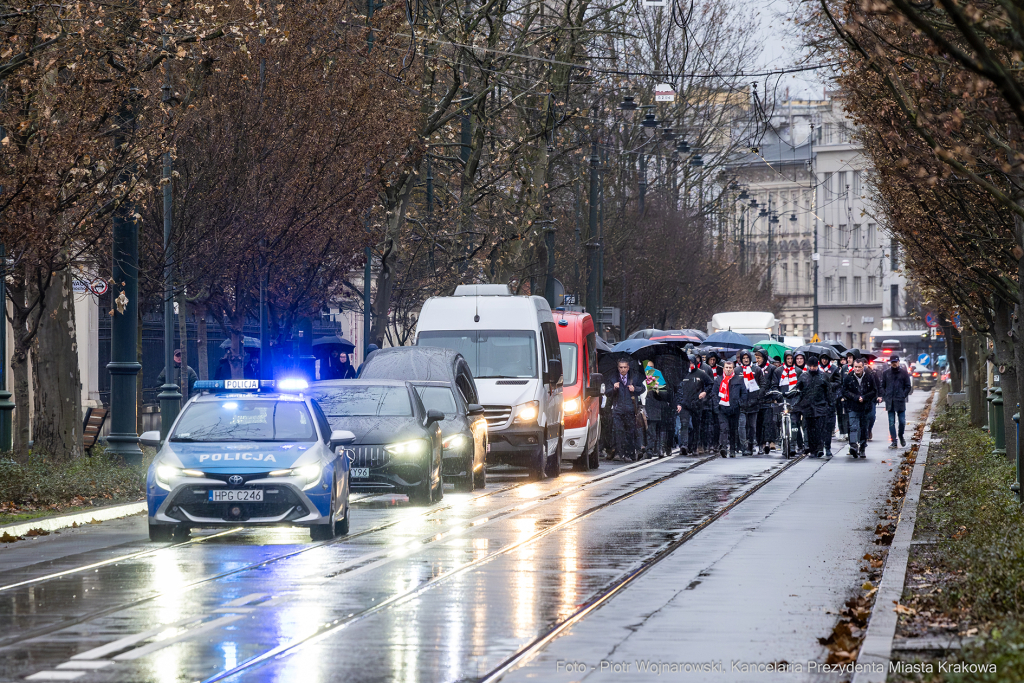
181,376
895,389
752,379
860,390
623,390
816,404
765,412
835,378
730,397
690,393
708,420
800,363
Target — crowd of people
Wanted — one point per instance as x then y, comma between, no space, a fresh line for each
732,405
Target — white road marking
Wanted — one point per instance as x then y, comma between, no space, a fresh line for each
128,641
160,644
55,675
85,664
245,600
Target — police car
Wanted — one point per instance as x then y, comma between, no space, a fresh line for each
247,452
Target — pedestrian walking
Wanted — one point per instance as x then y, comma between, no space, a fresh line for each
788,374
842,414
835,377
689,397
624,389
766,419
658,408
752,379
816,402
730,396
800,362
895,389
861,390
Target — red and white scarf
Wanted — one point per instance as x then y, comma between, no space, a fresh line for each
787,378
749,378
723,391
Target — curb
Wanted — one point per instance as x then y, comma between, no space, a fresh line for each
56,522
876,650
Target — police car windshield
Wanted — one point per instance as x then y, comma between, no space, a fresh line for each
365,401
231,419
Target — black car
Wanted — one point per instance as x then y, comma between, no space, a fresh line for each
444,382
398,441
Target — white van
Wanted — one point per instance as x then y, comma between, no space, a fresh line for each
511,344
757,325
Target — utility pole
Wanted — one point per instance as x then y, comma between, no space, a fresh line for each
593,246
170,394
643,180
371,5
6,405
124,366
816,256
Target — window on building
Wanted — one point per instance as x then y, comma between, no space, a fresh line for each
785,278
894,254
828,236
828,186
796,277
807,269
894,301
856,289
842,290
855,239
872,287
843,186
844,238
829,289
827,133
856,183
871,236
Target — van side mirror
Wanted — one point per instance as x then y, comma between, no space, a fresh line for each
554,370
151,439
432,417
596,384
341,437
475,409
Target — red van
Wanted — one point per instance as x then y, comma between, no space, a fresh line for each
581,388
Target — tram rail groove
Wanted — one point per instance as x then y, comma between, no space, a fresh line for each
525,654
6,643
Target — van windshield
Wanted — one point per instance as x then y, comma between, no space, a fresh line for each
490,353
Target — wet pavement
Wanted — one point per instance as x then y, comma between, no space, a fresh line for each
450,592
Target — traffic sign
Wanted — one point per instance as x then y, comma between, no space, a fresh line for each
923,359
815,339
930,320
663,92
956,322
98,287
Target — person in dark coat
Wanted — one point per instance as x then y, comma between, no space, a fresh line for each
860,389
842,415
708,421
766,428
690,393
816,401
658,408
895,389
730,397
752,379
800,362
835,378
181,376
623,389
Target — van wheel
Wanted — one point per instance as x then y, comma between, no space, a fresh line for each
595,453
554,464
582,463
539,470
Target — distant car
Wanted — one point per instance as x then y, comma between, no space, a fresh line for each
238,457
397,446
924,376
443,380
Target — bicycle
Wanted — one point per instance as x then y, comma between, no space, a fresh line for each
786,419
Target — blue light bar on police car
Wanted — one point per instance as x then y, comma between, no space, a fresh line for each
292,384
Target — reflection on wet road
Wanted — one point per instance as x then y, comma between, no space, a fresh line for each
440,594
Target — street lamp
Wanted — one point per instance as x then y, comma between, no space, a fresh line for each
667,134
683,147
696,161
627,106
650,125
744,195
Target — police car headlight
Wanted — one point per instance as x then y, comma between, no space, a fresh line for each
164,475
408,448
527,412
454,442
572,406
309,475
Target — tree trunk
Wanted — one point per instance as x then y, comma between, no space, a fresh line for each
183,340
395,205
953,353
57,424
20,361
1007,367
139,401
975,379
202,357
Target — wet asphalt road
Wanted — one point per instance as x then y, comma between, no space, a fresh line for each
445,593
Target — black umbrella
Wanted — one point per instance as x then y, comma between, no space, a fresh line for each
646,334
334,340
247,342
729,339
817,350
836,344
601,346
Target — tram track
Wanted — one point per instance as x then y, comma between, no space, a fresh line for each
332,627
357,565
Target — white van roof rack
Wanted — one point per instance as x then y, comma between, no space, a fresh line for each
482,290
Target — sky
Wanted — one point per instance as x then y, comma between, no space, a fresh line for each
782,48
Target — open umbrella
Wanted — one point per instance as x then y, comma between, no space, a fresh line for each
646,333
818,350
334,340
729,339
773,347
247,342
836,344
677,337
601,346
632,346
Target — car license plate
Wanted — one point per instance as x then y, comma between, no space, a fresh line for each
360,472
237,496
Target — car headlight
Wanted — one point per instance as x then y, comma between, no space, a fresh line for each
527,412
309,475
453,442
572,406
408,448
165,473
